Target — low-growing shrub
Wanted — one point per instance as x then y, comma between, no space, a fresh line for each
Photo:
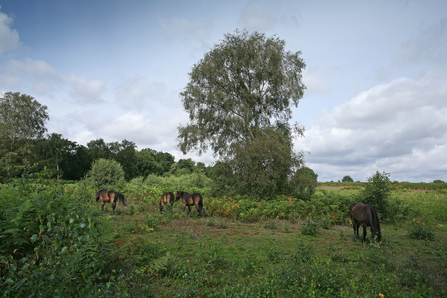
309,227
270,224
419,230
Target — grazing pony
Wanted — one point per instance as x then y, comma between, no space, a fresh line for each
365,215
111,196
189,200
167,197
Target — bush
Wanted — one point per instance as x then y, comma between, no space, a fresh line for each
376,193
309,227
58,246
347,179
106,173
419,230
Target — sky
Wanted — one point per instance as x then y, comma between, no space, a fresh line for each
376,74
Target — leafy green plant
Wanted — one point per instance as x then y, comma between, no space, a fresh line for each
270,224
419,230
377,191
309,227
324,222
152,221
106,173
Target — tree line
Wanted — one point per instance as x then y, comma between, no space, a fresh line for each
26,147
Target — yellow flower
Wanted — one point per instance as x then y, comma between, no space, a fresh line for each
381,295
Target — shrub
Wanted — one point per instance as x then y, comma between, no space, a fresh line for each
309,227
270,224
377,192
419,230
347,179
106,173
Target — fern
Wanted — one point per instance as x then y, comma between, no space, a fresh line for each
160,266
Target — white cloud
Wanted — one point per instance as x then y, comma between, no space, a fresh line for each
39,77
138,92
396,127
29,73
9,38
83,89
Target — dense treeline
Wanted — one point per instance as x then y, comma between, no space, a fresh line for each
26,148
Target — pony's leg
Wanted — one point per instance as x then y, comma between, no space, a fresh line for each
189,208
364,233
102,207
113,207
355,226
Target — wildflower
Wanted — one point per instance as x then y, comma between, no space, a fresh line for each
381,295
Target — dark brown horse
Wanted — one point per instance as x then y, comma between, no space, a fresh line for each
167,197
365,215
189,200
111,196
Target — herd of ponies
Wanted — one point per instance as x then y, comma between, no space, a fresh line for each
361,214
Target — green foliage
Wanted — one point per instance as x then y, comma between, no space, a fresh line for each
106,173
305,171
309,227
22,122
376,193
259,82
438,181
260,168
53,246
347,179
421,231
256,79
302,185
270,224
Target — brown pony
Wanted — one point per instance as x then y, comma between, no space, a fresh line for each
365,215
167,197
189,200
111,196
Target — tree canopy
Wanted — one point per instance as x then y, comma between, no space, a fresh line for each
347,178
22,121
243,86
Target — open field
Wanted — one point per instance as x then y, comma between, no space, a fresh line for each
59,244
215,255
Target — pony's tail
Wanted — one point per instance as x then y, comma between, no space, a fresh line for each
121,197
377,224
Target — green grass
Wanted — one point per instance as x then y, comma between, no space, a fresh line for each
240,247
265,259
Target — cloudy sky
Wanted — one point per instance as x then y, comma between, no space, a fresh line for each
376,75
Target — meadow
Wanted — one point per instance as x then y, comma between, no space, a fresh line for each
60,244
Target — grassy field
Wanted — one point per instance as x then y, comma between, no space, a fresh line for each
224,256
55,242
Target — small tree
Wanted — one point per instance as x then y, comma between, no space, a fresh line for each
347,179
106,173
377,192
